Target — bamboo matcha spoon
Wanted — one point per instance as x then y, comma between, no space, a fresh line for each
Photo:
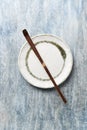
25,33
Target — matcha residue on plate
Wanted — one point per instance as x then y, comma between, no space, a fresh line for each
62,51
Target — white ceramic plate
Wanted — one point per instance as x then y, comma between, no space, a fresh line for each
57,56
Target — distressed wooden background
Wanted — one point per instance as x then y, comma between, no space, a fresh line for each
22,106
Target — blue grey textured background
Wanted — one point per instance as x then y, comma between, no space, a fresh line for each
22,106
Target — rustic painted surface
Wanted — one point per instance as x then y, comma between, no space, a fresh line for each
22,106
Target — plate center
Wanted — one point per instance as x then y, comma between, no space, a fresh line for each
52,57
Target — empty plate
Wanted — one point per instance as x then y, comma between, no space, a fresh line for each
56,55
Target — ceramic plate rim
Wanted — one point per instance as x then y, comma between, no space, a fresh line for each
57,37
